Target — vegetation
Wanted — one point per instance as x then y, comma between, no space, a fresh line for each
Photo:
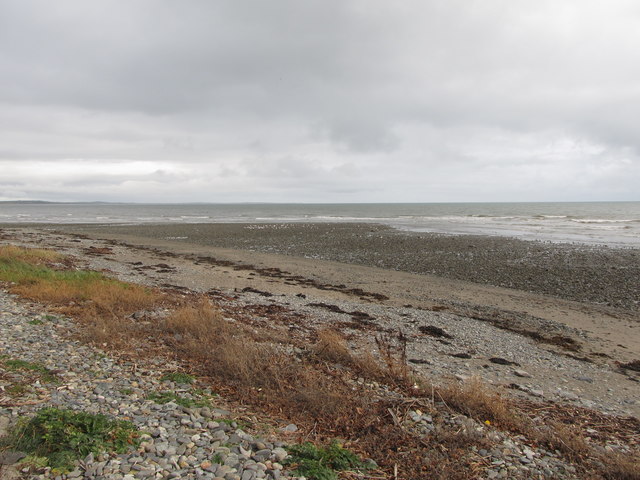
41,371
317,463
100,302
178,377
63,436
183,401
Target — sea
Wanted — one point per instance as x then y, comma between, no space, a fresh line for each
615,224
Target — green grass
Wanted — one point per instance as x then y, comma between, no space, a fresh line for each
63,436
318,463
20,272
45,374
18,389
169,396
178,377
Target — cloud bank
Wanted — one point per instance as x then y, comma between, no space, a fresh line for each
319,101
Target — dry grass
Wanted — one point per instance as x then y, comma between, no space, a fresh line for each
225,351
332,347
481,402
261,370
101,303
32,256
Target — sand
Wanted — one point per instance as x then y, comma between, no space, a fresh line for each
573,351
595,290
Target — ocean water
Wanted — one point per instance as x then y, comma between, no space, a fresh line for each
607,223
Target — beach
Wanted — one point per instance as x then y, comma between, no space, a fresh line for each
553,327
584,297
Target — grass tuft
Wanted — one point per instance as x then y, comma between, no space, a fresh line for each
169,396
43,372
178,377
64,436
318,463
33,256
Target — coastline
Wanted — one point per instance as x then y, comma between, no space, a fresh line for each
551,354
584,273
607,335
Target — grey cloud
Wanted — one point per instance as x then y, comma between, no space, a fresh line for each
398,91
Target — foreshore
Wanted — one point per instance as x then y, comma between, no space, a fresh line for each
536,341
593,289
584,273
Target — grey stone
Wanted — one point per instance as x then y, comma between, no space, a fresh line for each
9,457
292,427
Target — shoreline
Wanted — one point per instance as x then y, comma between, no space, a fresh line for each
598,275
608,333
455,332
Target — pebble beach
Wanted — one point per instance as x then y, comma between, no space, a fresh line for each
343,276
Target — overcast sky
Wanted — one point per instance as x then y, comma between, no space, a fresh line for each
320,101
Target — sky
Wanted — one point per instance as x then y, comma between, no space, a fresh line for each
320,100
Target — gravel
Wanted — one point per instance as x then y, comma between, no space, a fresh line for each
585,273
181,442
178,442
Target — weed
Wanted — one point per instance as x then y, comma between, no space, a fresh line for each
17,389
217,458
33,462
45,374
169,396
63,436
32,256
35,321
322,463
474,399
126,391
178,377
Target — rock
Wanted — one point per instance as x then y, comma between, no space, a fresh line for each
279,454
4,426
522,373
290,428
9,457
502,361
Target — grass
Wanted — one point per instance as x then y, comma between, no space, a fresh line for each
32,256
183,401
102,303
63,436
322,463
44,373
178,377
